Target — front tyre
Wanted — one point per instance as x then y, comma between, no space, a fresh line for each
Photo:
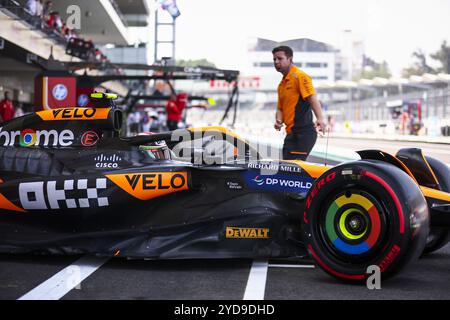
365,213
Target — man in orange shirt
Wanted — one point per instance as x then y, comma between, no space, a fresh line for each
296,101
6,108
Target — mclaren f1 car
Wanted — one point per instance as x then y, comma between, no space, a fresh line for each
70,184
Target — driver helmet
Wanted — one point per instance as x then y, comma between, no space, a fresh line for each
157,150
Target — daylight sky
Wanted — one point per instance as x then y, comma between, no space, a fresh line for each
219,30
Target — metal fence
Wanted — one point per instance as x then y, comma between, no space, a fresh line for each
435,103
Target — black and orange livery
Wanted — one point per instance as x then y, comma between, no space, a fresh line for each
71,184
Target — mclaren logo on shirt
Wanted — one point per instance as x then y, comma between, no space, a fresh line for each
247,233
149,185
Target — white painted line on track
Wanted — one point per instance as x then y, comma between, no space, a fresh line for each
67,279
256,284
303,266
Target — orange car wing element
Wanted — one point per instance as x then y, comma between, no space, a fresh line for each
8,205
313,169
435,194
74,114
149,185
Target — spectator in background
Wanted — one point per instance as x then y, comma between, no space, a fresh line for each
404,120
331,123
162,119
58,25
67,34
150,122
173,113
6,108
131,119
19,111
154,122
145,123
39,8
159,89
51,20
31,7
47,10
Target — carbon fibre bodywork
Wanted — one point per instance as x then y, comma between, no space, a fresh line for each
72,185
110,196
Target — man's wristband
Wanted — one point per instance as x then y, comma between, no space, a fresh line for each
279,121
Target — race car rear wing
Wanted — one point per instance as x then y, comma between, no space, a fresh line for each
60,128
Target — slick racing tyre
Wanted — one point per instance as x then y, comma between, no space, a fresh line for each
438,237
363,214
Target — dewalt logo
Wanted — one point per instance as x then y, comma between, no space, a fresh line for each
246,233
149,185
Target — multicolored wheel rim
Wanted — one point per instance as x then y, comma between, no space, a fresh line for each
352,223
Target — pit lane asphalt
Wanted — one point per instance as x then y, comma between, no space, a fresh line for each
429,278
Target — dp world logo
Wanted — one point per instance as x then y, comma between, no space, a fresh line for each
83,100
258,180
59,92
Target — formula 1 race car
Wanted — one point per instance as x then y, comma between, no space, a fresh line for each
71,185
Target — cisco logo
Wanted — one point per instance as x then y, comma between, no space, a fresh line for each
103,161
60,92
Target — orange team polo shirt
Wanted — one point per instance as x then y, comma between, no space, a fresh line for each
293,91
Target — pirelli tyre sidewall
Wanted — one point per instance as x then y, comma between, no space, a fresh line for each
365,214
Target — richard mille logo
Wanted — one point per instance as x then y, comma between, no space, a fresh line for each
103,161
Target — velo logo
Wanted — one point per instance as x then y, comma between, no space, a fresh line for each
149,185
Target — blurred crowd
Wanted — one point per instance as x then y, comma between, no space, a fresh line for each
7,109
154,118
50,20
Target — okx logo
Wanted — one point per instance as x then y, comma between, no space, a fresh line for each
67,194
149,185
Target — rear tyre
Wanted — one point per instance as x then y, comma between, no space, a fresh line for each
362,214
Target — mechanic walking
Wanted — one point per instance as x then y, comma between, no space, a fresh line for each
175,106
296,98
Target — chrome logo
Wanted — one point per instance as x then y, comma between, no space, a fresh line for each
27,138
